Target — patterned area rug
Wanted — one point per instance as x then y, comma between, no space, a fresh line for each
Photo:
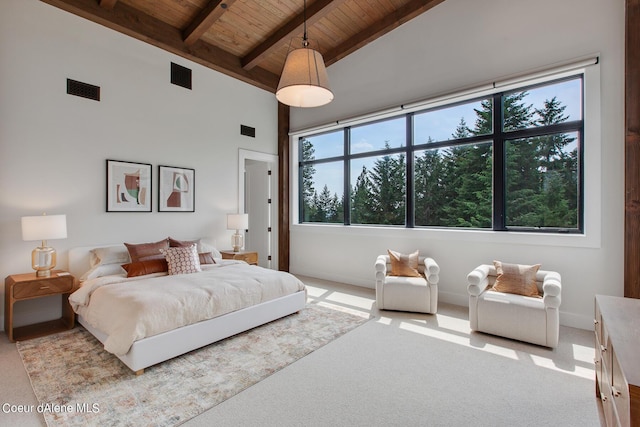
78,383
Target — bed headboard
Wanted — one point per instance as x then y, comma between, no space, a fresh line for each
80,258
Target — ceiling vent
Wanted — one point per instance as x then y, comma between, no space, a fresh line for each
84,90
247,131
181,76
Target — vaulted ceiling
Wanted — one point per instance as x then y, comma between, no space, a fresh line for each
249,39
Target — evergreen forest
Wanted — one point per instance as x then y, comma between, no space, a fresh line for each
453,183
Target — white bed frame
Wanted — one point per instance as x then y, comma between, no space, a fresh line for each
158,348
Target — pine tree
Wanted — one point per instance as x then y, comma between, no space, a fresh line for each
559,174
308,172
337,209
523,207
362,200
429,188
466,197
541,176
326,206
484,118
552,145
389,188
314,213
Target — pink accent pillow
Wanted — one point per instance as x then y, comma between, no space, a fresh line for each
206,258
183,260
174,243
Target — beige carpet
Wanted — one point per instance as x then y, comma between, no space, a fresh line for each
77,383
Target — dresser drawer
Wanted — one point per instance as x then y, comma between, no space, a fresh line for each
608,404
605,358
598,366
39,288
619,391
597,324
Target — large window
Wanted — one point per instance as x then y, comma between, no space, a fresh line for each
509,161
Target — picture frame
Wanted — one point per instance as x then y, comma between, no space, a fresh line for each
176,189
128,186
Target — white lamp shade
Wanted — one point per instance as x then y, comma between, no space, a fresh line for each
44,227
304,81
237,221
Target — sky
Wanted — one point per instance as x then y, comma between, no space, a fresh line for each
439,124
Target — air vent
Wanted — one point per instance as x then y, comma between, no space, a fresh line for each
247,131
180,76
84,90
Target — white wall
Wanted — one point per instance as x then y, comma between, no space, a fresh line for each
463,43
53,146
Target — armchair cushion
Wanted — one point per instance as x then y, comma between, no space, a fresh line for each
516,279
404,265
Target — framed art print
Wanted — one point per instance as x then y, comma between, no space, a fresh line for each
176,189
128,186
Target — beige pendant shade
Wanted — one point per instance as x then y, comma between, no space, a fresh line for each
304,81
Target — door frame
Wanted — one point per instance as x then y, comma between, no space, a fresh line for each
272,159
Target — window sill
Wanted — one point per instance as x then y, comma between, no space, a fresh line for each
574,240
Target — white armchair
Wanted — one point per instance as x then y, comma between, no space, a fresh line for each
524,318
419,294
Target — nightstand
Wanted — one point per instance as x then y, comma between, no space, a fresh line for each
20,287
249,256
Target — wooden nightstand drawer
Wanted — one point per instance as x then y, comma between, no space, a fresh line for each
247,256
39,288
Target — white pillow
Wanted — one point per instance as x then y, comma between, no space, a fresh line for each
205,247
182,260
103,270
109,255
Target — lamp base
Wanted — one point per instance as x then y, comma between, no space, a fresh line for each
43,260
237,241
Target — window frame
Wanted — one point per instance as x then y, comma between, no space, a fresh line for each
499,139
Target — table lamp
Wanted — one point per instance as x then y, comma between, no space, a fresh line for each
237,222
43,228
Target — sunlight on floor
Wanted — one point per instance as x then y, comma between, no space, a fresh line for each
451,324
339,298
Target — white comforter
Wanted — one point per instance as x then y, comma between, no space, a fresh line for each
129,309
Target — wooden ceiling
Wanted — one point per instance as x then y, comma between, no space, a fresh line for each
249,39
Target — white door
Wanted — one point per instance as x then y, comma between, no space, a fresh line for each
258,204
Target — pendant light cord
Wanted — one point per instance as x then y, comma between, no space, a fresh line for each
305,42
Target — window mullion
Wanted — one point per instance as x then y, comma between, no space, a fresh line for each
346,205
409,187
499,166
300,183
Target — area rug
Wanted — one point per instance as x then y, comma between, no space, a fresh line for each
79,384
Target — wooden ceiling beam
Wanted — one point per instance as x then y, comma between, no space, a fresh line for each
132,22
388,23
318,10
108,4
205,19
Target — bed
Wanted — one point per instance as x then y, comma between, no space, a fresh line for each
244,297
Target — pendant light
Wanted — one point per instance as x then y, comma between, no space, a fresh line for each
304,81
